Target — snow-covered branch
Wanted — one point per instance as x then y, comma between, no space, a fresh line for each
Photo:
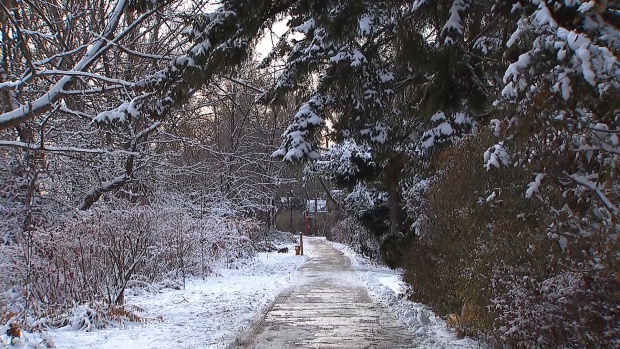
44,103
52,149
587,183
106,39
94,194
84,74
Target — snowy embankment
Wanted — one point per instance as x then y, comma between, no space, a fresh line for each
386,287
209,313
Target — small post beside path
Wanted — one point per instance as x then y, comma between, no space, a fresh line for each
301,244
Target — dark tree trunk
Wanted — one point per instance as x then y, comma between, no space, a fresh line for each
120,298
393,176
396,211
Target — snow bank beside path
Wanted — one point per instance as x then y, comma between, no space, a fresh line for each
207,314
386,287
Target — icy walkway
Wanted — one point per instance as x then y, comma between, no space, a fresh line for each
328,308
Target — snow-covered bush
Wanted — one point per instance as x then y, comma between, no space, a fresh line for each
446,263
348,231
528,274
88,260
573,309
561,96
414,191
186,246
560,99
76,275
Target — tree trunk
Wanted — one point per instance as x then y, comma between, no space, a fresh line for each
120,298
396,211
393,175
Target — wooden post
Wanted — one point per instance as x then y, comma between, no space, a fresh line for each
301,244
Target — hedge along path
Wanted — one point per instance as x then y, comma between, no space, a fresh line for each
327,308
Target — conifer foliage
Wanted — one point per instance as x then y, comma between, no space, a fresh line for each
398,77
400,82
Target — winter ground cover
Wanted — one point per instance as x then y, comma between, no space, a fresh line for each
386,287
208,313
214,312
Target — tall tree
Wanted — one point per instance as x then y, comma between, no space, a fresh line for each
63,66
396,76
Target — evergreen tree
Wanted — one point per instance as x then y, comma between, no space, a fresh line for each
397,77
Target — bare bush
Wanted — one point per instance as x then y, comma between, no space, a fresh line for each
77,275
195,246
571,309
90,259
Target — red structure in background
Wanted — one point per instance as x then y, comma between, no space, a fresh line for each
307,218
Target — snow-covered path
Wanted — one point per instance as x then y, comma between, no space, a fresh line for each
328,308
386,288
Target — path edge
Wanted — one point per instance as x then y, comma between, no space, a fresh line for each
247,336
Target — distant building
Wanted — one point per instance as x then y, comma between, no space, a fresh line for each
317,205
322,215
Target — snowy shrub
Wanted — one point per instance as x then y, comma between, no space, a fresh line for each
191,246
84,318
348,231
414,191
530,274
447,264
92,316
76,275
570,309
91,258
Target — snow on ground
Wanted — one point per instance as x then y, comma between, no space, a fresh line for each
209,313
213,312
386,287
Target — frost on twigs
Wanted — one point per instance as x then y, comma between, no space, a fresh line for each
350,232
561,94
539,312
121,248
